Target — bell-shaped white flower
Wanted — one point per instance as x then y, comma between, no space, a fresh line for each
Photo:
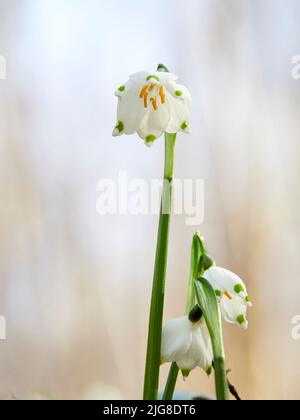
150,104
232,294
188,344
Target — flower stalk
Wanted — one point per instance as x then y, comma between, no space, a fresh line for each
153,362
171,382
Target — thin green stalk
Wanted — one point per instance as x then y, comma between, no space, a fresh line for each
158,291
221,379
171,383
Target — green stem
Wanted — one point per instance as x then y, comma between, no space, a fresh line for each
158,291
221,379
171,383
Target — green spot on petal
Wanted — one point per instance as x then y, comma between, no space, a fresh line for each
185,373
150,138
241,320
178,93
120,126
247,299
152,76
184,125
122,89
209,370
238,288
218,293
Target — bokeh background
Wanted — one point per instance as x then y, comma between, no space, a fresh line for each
75,286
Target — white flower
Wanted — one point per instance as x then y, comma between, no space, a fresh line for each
188,344
151,104
232,294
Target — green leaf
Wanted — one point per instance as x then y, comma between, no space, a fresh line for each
195,257
207,300
207,262
209,305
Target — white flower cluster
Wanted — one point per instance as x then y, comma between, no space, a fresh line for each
188,343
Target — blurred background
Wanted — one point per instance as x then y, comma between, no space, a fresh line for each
75,286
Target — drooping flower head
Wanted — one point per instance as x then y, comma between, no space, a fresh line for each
150,104
187,342
232,294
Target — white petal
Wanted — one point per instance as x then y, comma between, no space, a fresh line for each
176,339
131,110
123,89
180,115
154,123
199,352
224,280
166,76
178,91
234,311
186,343
206,353
187,362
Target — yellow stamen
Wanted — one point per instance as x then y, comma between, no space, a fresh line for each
162,94
145,99
152,86
154,104
227,294
143,91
